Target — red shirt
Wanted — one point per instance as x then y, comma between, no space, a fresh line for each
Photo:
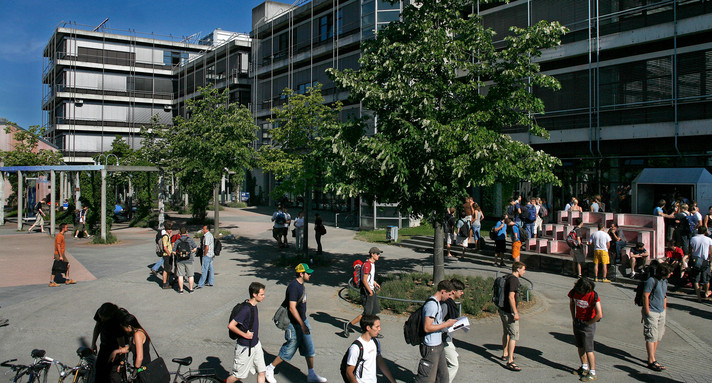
585,305
675,253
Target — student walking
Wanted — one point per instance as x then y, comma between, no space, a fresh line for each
450,311
509,315
60,264
39,217
364,354
249,357
368,284
433,364
585,307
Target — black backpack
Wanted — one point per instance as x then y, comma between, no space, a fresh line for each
464,230
235,310
638,300
183,250
493,233
218,247
358,371
523,235
498,290
414,327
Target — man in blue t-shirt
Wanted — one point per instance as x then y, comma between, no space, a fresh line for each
249,356
500,243
298,332
433,363
654,312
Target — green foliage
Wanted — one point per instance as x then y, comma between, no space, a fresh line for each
238,205
110,239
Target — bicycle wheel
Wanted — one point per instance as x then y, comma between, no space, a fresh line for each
202,379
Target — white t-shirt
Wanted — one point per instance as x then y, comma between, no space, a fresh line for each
700,246
600,240
287,218
370,352
209,241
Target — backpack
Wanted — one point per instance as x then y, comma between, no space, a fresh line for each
510,211
531,213
280,219
572,240
542,211
159,244
493,233
498,290
464,230
218,246
638,300
235,310
523,235
414,327
183,250
358,371
175,237
357,266
449,224
691,224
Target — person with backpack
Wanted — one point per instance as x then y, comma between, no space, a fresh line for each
578,251
500,243
585,307
463,232
509,315
601,243
541,212
516,239
433,364
157,265
298,331
207,273
529,217
281,220
451,311
367,286
319,231
685,227
184,251
654,309
449,228
701,248
39,217
364,355
249,357
167,253
514,210
548,212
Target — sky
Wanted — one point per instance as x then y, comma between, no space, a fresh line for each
27,25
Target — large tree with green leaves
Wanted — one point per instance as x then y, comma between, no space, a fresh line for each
443,94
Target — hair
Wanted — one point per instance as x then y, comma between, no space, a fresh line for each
445,285
475,206
614,224
663,270
661,203
517,265
578,221
457,284
639,245
130,320
702,230
684,206
508,220
169,225
368,320
504,216
62,226
108,310
669,244
584,286
183,230
601,225
255,288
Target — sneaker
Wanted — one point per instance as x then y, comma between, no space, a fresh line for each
632,274
589,378
189,291
53,284
606,280
269,374
347,329
314,378
180,291
580,276
580,372
70,282
598,280
166,286
198,287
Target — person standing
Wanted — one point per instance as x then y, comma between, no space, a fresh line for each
368,284
319,231
578,251
585,307
364,370
157,265
281,221
207,271
516,239
60,264
109,332
449,229
298,332
433,364
184,262
249,357
463,232
81,223
167,255
477,217
451,311
701,248
618,240
654,312
601,243
509,315
529,215
500,244
549,212
299,231
138,344
39,217
514,211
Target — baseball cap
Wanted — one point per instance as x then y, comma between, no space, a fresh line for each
303,268
375,250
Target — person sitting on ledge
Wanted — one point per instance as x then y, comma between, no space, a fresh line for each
637,252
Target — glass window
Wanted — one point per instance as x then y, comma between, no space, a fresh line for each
388,4
388,16
367,7
326,24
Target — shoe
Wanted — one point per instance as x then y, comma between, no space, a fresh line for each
208,285
632,274
180,291
598,280
166,286
70,282
53,284
580,372
347,329
502,265
189,291
606,280
269,374
314,378
580,276
512,367
198,287
589,377
155,273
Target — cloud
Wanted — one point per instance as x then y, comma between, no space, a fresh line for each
22,51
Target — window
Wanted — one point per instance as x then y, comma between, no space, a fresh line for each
326,25
174,57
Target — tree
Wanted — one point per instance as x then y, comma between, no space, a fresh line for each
443,94
298,149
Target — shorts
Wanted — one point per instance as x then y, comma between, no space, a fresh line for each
578,255
370,304
248,361
450,238
184,269
500,245
462,241
79,227
516,249
279,232
168,264
509,325
39,220
583,336
654,326
59,267
295,338
600,256
701,276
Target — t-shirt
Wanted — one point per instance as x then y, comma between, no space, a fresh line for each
515,230
369,271
59,244
511,285
294,292
585,305
371,351
600,240
166,242
208,240
449,223
191,243
595,207
287,218
432,309
700,246
38,208
299,222
502,233
683,226
675,253
657,298
658,211
619,234
243,322
635,251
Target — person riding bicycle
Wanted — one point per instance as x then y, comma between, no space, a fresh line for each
138,344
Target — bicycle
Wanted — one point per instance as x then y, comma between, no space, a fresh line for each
30,373
82,372
191,376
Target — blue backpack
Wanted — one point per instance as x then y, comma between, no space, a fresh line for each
531,213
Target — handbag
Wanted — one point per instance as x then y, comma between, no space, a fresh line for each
155,371
281,318
294,233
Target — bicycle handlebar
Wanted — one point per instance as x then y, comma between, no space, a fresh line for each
7,363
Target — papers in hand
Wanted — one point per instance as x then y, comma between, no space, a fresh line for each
462,324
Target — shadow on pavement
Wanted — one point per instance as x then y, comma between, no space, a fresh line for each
212,364
642,377
692,310
601,349
399,372
292,373
323,317
481,351
534,355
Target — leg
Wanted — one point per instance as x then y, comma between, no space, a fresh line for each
582,355
211,272
180,283
318,243
451,360
510,349
157,265
190,282
591,360
650,349
310,362
204,272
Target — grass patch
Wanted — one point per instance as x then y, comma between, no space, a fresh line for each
237,205
477,301
110,239
379,236
149,220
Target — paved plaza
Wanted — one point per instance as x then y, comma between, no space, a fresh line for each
59,319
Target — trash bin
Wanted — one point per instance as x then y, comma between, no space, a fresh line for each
392,233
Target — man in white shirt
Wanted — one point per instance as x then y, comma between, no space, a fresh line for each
208,272
364,355
601,243
700,248
299,231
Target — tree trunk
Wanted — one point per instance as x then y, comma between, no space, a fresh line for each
438,257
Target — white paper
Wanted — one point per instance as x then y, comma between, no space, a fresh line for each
462,324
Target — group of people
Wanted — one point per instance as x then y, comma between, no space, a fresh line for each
464,231
80,219
283,220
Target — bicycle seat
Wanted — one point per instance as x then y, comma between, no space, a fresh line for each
38,353
183,361
84,352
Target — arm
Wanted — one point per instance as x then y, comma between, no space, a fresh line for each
139,340
572,308
295,314
513,305
599,314
94,337
350,374
166,241
384,368
646,303
364,283
430,327
233,327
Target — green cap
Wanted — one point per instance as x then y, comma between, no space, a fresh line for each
303,268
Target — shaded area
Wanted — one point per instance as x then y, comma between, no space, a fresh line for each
645,377
212,365
706,314
601,348
534,355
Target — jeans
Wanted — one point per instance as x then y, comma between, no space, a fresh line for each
530,228
318,243
158,264
207,272
619,245
476,233
299,238
296,339
433,365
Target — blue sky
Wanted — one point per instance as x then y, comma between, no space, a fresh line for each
27,26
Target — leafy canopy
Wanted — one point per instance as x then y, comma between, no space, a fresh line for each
25,151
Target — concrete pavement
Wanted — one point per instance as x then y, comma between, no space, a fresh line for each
60,319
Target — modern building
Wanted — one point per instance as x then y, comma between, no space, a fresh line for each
104,83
